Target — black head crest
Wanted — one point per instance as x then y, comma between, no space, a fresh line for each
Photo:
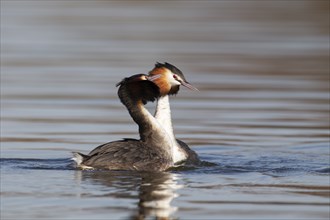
138,88
134,78
171,67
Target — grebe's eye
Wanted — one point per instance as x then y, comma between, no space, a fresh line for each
175,76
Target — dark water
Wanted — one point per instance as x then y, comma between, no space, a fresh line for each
260,120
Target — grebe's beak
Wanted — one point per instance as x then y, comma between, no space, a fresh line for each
188,85
154,77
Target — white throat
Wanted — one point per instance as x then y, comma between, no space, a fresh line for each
163,116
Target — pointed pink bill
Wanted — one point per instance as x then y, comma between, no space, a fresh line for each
189,86
154,77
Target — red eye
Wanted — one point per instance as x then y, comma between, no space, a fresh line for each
174,76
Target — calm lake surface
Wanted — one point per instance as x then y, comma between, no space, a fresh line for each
261,116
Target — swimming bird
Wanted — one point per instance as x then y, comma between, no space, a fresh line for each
158,149
168,78
153,152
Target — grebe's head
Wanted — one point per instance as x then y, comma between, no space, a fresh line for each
168,78
139,88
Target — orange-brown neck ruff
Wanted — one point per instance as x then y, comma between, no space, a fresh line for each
162,82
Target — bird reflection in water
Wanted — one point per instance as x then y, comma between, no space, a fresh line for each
156,190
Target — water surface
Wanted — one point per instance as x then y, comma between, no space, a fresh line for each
261,116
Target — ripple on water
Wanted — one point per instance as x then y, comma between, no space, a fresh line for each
280,165
35,164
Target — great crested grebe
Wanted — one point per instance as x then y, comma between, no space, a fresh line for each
157,149
169,78
153,152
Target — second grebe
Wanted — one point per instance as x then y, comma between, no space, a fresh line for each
153,152
169,78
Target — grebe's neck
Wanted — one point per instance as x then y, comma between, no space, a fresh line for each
151,132
163,116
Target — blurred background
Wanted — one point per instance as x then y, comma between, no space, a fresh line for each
259,65
262,68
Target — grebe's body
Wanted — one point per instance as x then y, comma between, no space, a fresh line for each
157,149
